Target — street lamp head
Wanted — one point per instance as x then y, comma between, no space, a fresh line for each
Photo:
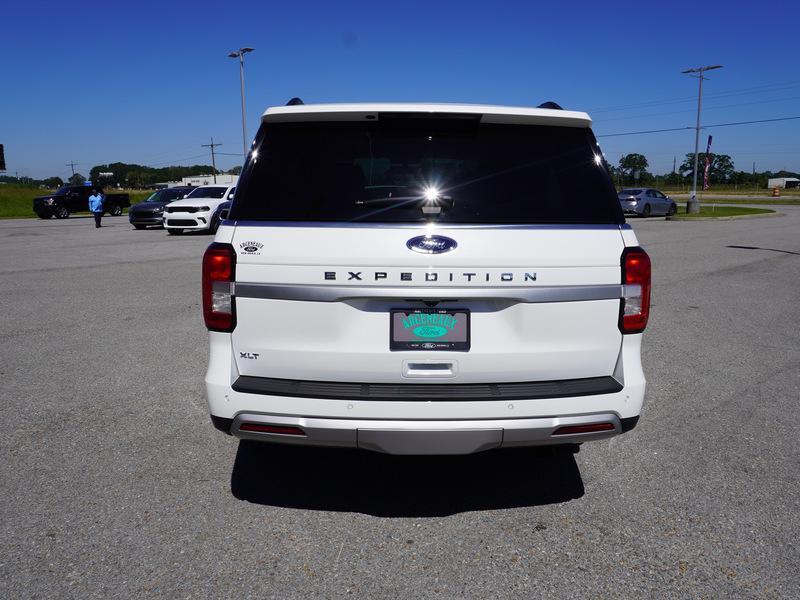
712,67
234,55
245,50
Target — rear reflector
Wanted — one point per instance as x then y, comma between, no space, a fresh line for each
219,273
635,307
590,428
261,428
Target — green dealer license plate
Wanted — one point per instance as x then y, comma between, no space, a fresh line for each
429,329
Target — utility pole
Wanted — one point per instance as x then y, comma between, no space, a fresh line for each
212,145
674,162
72,165
693,206
240,55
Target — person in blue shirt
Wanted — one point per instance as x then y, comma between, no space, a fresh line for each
96,206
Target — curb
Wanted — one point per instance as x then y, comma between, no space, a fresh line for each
726,218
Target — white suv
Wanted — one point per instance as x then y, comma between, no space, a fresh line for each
195,212
425,279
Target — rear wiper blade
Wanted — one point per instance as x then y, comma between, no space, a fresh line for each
429,207
389,200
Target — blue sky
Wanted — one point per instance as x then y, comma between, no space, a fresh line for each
150,82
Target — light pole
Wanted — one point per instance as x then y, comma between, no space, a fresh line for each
693,206
240,55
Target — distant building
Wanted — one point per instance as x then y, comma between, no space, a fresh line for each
223,179
784,182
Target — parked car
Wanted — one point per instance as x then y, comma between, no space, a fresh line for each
194,212
151,212
646,202
462,310
75,198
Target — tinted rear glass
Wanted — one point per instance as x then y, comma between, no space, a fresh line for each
172,193
460,170
630,192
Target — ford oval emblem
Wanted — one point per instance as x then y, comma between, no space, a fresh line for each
431,244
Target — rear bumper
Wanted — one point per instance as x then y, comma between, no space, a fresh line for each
443,425
425,437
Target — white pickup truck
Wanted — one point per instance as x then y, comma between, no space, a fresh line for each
425,279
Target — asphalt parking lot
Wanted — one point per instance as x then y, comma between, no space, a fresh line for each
114,483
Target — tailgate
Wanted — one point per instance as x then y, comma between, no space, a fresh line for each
313,303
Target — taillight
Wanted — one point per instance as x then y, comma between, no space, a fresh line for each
635,307
219,273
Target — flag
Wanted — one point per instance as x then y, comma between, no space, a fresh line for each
708,164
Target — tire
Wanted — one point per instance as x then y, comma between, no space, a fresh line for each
61,212
115,210
647,210
673,208
44,215
139,226
174,231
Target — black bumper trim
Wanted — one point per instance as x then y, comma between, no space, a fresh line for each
334,390
221,423
628,423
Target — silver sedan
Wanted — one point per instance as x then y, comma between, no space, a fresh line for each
646,202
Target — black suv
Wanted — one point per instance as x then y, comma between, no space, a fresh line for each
75,198
151,210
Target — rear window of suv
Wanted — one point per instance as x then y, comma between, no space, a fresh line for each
414,169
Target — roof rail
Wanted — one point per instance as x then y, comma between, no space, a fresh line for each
550,104
294,101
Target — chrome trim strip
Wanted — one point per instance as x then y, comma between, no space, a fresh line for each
338,293
425,437
435,227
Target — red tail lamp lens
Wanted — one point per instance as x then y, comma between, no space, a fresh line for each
281,429
635,308
219,272
590,428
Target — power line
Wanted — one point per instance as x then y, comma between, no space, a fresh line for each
177,160
713,106
72,165
703,127
641,132
778,86
749,122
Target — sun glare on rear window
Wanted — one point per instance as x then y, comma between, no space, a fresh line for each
426,170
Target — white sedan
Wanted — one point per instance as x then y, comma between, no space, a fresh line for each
195,211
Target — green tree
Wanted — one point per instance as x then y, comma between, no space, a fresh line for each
53,182
673,179
720,170
237,170
76,179
634,164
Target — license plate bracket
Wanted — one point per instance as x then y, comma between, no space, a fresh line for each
429,329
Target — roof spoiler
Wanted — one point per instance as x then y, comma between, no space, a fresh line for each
550,104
